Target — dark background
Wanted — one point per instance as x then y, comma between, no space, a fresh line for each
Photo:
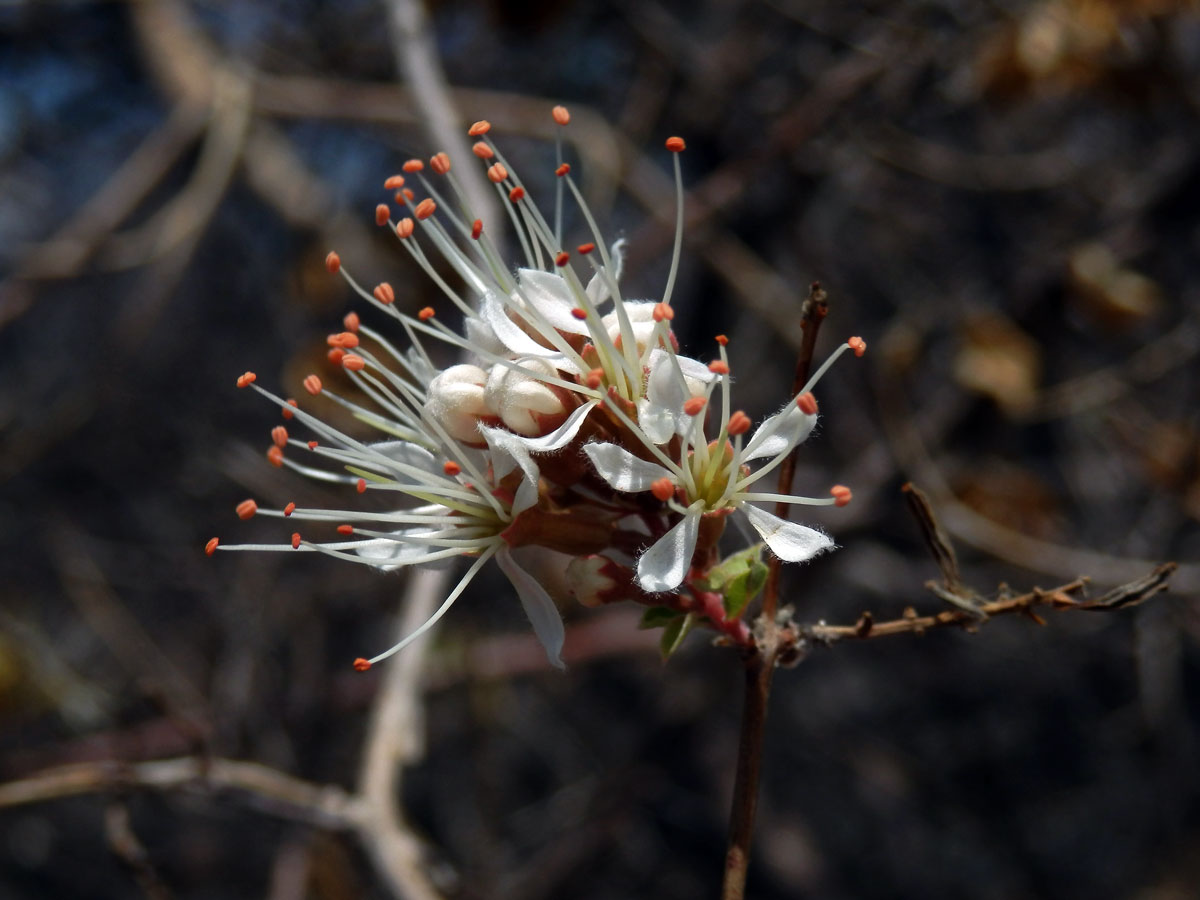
1001,198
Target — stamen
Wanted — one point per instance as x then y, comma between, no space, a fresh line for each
440,163
451,468
404,228
595,378
663,311
858,345
333,262
345,529
482,127
286,412
405,195
739,423
246,509
384,294
676,144
719,367
516,194
562,259
585,249
295,540
561,115
312,445
426,314
351,321
394,183
413,165
476,229
275,456
354,362
807,403
335,355
279,435
312,384
347,340
211,547
289,509
496,173
482,150
579,314
663,489
841,494
245,379
361,665
721,339
562,170
361,485
693,406
425,209
382,214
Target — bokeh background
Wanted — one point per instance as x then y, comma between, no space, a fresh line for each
1001,198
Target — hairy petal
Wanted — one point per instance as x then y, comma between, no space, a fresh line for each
621,469
543,614
779,433
789,541
663,566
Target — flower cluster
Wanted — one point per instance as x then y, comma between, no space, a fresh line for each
575,426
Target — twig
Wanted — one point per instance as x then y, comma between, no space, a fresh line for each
125,844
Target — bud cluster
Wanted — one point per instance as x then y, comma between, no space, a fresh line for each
576,426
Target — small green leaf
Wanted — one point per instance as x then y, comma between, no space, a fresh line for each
744,588
658,616
674,634
731,567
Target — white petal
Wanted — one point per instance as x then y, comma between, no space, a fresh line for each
621,469
779,433
663,566
389,555
543,614
659,423
508,332
789,541
551,297
510,449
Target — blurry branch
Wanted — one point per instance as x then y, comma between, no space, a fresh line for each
124,842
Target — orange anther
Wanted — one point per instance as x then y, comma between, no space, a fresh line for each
333,262
425,209
482,150
719,367
663,489
312,384
404,228
289,509
739,423
841,494
295,540
483,126
413,165
562,170
440,163
279,435
562,259
693,406
361,665
516,194
394,183
354,362
496,173
405,195
335,355
561,115
721,339
384,294
347,339
451,468
595,378
345,529
275,456
361,486
426,314
676,144
476,229
246,378
246,509
585,249
211,547
807,403
382,214
351,321
663,311
578,313
312,445
858,345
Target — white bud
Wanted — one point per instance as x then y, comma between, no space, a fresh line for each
641,317
524,402
456,401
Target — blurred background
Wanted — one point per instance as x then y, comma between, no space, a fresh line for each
1001,198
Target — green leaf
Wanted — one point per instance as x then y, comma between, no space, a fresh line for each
731,567
658,616
745,587
674,634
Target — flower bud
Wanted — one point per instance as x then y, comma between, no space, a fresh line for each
641,317
525,403
597,580
456,401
